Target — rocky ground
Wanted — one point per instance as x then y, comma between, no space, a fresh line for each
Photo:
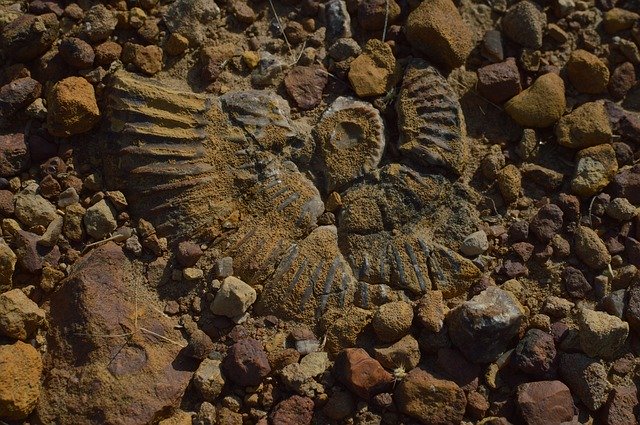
456,240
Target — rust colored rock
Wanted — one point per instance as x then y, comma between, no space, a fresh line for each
536,353
148,59
72,107
107,52
246,363
188,253
430,400
137,380
361,373
295,410
499,82
621,407
20,374
622,80
17,95
545,402
14,154
305,85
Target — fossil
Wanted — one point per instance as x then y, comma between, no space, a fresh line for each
197,165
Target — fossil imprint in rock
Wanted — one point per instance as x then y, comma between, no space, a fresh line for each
188,161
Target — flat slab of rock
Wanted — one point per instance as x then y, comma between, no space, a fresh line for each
94,376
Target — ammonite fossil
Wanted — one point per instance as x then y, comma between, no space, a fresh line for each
192,163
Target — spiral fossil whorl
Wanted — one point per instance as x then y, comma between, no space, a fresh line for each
188,161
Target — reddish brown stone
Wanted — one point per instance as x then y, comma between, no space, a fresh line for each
361,373
622,80
621,407
453,364
246,363
499,82
545,402
77,52
141,376
6,203
477,405
188,253
107,52
17,95
295,410
547,222
536,353
626,184
305,85
29,36
575,283
14,154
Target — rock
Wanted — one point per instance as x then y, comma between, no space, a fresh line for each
595,167
431,310
509,183
188,253
246,363
294,410
17,95
542,176
176,44
475,244
33,210
601,334
360,373
540,105
621,209
14,154
209,380
29,36
97,299
590,249
545,402
344,48
575,283
31,256
587,125
586,378
76,52
621,406
8,262
148,59
223,267
436,29
547,222
295,375
72,107
20,374
345,330
626,184
491,47
19,316
73,228
99,22
536,353
305,85
499,82
524,23
233,298
587,72
404,353
455,367
339,406
632,314
99,220
207,415
392,321
622,80
618,19
107,52
375,14
200,345
483,327
190,18
430,400
373,72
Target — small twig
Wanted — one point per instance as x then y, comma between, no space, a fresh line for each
386,20
286,40
590,208
162,337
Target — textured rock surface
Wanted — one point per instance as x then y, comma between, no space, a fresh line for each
436,28
20,374
72,107
540,105
19,316
545,402
100,299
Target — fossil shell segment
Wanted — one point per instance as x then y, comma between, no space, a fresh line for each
385,234
155,137
350,140
430,119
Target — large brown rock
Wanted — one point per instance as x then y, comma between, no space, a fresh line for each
436,29
20,373
112,358
29,36
430,400
361,373
72,107
545,403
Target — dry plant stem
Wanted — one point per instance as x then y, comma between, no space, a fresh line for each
386,20
286,40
